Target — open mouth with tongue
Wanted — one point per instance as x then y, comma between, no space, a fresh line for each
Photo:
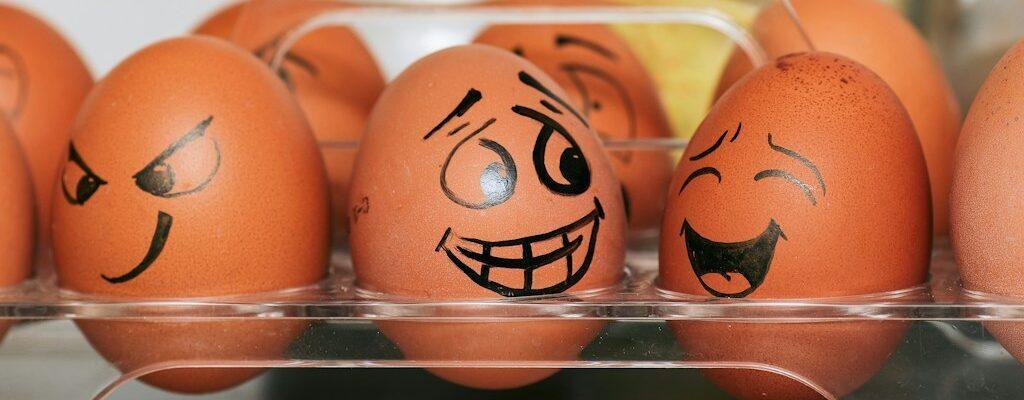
511,267
731,269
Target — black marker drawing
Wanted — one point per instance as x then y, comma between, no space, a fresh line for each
267,50
13,82
362,208
86,186
532,82
157,177
749,258
497,180
477,264
563,40
578,74
156,246
572,166
472,96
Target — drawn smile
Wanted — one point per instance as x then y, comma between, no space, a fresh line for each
507,267
156,246
716,264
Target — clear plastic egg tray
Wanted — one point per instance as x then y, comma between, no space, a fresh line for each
945,352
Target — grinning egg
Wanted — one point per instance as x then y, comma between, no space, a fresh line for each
610,87
42,83
331,73
478,180
17,232
789,189
191,172
877,36
986,223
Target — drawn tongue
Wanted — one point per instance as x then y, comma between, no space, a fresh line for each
726,282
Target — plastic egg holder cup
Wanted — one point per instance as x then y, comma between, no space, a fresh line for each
336,305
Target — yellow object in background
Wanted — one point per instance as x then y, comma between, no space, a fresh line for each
685,61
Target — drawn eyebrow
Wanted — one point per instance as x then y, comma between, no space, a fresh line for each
472,97
550,106
777,173
700,172
563,40
530,81
196,132
711,149
737,134
302,62
803,160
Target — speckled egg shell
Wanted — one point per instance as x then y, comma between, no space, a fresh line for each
877,36
42,84
609,86
986,225
805,180
330,71
473,157
191,172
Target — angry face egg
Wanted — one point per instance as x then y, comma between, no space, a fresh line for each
331,73
787,191
610,87
478,180
190,172
42,84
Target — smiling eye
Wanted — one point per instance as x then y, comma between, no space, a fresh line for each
775,173
84,183
701,172
196,166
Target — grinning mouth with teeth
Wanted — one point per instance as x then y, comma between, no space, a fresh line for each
507,267
748,259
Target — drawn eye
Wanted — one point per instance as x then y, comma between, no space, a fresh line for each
604,101
196,166
701,172
775,173
82,181
479,176
560,154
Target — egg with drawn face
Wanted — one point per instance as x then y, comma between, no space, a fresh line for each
329,71
611,88
177,186
480,181
17,233
806,180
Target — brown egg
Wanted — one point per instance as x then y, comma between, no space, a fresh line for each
191,172
877,36
330,72
985,222
787,190
610,87
17,232
42,83
479,181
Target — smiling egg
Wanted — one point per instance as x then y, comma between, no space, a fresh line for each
878,36
191,172
481,181
610,87
331,73
42,84
17,233
986,223
806,180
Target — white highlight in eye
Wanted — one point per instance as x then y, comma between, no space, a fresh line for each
494,182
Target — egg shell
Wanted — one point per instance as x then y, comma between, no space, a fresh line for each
986,224
17,233
42,84
610,86
879,37
330,71
435,188
246,209
789,189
